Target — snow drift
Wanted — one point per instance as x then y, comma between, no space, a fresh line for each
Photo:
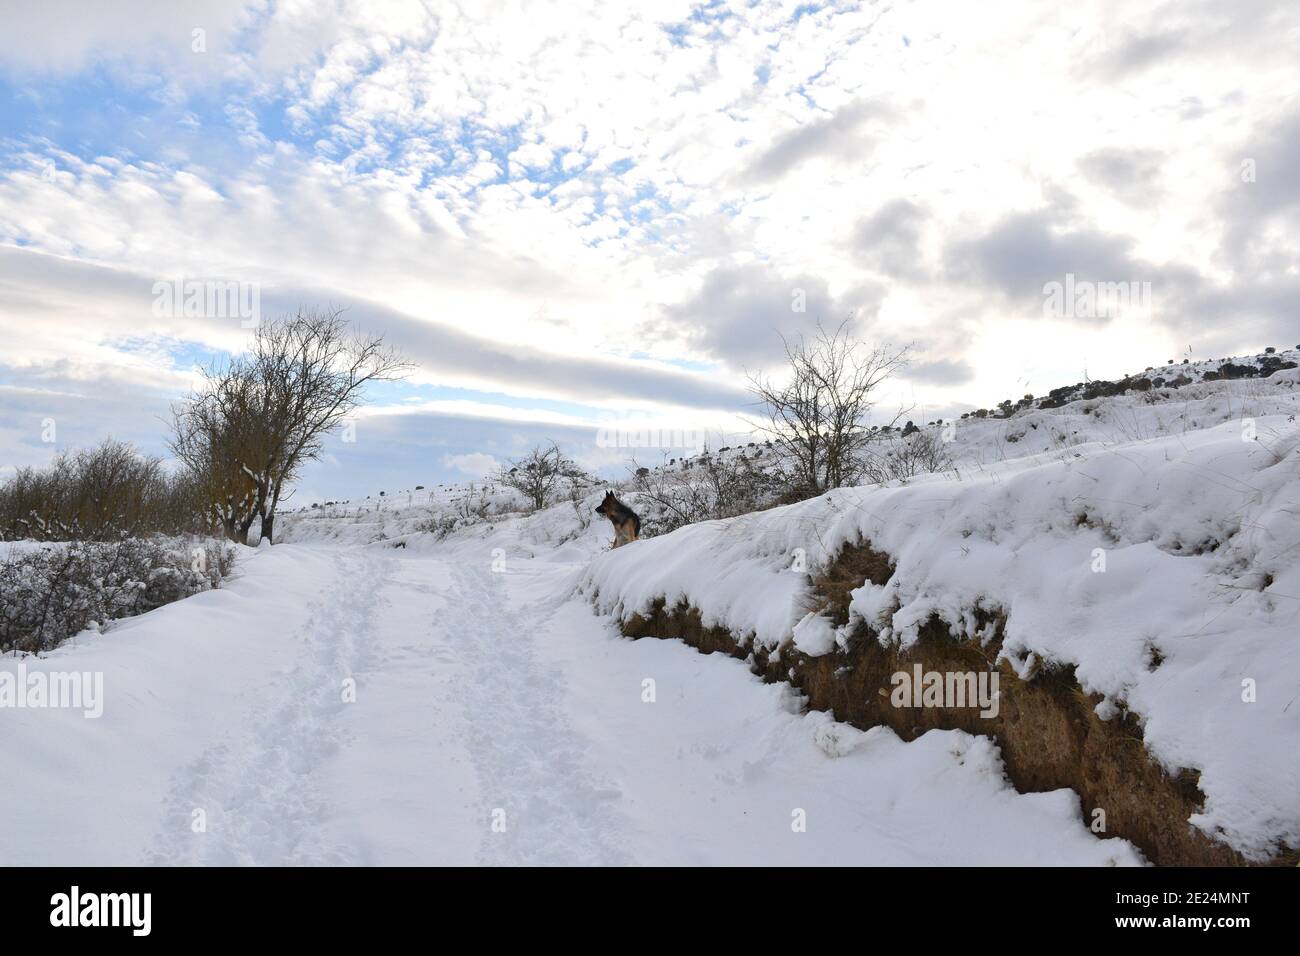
1163,569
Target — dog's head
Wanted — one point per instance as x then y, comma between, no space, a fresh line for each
606,507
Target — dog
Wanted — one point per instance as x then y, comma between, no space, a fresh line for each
627,525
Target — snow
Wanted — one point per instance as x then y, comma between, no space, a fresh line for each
476,692
1199,529
400,674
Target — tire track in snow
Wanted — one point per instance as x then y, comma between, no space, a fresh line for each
256,786
531,763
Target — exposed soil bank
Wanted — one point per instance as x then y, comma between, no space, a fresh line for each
1047,728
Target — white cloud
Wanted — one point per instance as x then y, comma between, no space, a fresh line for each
476,464
60,36
405,155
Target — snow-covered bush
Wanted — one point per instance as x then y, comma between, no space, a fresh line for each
50,593
713,486
919,453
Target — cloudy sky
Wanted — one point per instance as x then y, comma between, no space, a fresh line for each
577,219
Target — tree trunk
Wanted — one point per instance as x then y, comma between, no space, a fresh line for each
268,515
243,529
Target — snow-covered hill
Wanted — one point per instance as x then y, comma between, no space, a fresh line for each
1153,546
416,516
495,718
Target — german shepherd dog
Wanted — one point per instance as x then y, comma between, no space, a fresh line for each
627,526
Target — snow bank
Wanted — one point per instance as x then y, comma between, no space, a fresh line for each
92,792
1164,568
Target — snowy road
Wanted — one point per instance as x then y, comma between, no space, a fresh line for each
347,705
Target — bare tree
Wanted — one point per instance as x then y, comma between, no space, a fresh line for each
317,369
213,435
539,474
264,415
817,418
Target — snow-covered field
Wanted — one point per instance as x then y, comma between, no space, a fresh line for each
499,718
481,697
1166,567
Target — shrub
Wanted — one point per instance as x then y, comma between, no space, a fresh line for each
52,593
717,487
544,475
98,494
920,453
